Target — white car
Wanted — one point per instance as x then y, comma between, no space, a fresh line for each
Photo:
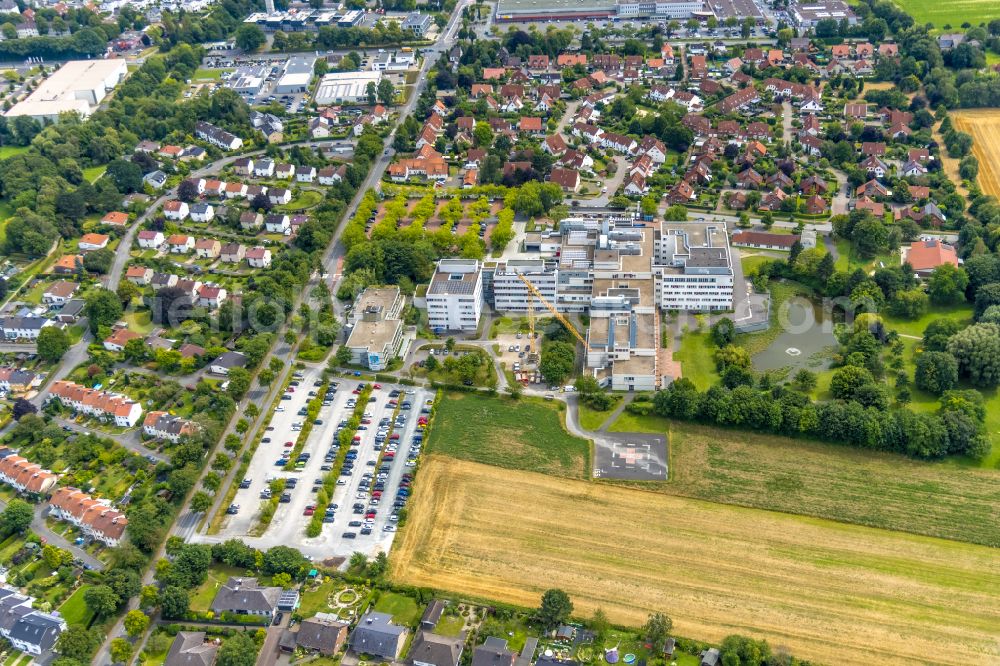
389,528
279,408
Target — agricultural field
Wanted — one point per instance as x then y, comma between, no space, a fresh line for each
984,126
953,12
825,591
528,434
828,481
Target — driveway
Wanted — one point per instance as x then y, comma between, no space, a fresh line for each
130,440
39,527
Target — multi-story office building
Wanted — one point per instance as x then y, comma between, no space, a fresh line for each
694,270
455,295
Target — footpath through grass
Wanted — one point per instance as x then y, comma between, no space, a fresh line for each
884,490
516,434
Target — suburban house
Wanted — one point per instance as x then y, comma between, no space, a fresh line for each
430,649
18,381
150,240
258,257
376,635
232,253
124,411
243,596
217,136
59,292
322,633
23,328
202,212
207,248
90,242
68,263
180,243
494,652
175,210
115,219
162,425
277,223
95,517
27,629
119,338
250,220
211,297
190,648
926,255
225,362
279,196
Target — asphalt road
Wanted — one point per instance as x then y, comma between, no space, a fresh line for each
39,527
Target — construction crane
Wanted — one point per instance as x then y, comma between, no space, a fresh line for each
551,308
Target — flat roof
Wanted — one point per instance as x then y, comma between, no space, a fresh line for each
70,87
553,6
374,335
344,85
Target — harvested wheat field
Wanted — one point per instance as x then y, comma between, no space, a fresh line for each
984,126
828,592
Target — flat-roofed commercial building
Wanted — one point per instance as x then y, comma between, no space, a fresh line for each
298,73
376,327
455,295
807,14
666,8
76,87
694,268
346,87
549,10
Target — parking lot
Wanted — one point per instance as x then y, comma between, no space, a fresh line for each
354,486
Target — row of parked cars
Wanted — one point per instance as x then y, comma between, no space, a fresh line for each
374,484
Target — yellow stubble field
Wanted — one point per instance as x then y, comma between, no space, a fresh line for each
828,592
984,126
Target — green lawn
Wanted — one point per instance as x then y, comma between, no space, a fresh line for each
697,358
201,599
950,13
524,434
751,262
203,74
915,327
942,499
450,625
93,173
140,321
591,419
304,199
404,610
10,151
75,609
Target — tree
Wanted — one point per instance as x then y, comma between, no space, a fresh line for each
805,380
848,380
102,309
282,580
723,331
555,608
52,344
977,350
101,600
174,602
371,92
239,383
657,631
910,304
121,650
187,190
237,650
249,37
358,561
201,502
557,361
600,625
126,175
23,407
78,643
386,92
936,372
742,651
947,284
16,517
986,296
343,355
136,622
99,261
283,559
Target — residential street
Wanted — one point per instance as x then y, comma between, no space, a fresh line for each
39,527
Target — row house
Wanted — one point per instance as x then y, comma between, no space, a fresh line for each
162,425
95,517
217,136
24,475
739,100
124,411
23,328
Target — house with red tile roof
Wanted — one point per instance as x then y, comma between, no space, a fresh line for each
24,475
926,255
95,517
124,411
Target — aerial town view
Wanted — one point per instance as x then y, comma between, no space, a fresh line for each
500,332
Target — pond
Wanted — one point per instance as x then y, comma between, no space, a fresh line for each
806,340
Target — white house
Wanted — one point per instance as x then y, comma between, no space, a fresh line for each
150,240
202,212
175,210
258,257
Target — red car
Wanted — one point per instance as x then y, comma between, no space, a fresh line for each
377,493
309,511
291,389
289,445
378,386
394,435
370,514
356,391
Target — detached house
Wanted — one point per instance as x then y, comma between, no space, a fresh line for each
175,210
207,248
180,243
258,257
